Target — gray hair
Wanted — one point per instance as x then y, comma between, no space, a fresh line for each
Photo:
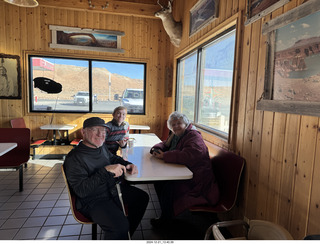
177,116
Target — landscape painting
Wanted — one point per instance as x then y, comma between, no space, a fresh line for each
86,39
297,60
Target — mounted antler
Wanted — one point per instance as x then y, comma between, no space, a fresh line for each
172,27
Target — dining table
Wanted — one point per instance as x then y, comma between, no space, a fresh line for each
139,128
149,167
6,147
58,127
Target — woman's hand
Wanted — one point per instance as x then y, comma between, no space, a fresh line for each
132,169
122,143
157,153
116,169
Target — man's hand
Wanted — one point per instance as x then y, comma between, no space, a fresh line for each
122,143
116,169
132,169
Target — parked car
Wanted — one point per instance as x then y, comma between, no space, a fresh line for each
132,99
82,98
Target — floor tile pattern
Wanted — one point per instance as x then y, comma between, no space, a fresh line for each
42,210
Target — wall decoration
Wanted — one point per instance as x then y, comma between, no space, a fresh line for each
292,79
202,13
256,9
86,39
10,77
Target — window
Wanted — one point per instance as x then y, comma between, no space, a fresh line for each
204,84
84,85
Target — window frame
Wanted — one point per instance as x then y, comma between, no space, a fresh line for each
90,60
226,137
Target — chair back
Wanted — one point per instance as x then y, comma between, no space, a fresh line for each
18,123
72,199
227,168
20,154
165,131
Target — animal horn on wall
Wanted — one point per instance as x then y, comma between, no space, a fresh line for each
172,27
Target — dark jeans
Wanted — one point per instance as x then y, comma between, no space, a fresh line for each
108,214
164,190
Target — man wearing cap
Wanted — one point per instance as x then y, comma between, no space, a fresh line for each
92,173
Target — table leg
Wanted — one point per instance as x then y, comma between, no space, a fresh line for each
54,137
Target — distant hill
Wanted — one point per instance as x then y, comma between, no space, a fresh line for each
75,78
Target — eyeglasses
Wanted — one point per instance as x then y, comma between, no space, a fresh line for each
96,130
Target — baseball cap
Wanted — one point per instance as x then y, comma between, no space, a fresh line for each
93,121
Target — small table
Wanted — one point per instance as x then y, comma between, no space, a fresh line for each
6,147
56,127
151,168
139,127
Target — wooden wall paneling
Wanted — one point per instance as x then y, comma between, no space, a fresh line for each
3,42
274,178
303,180
314,213
45,34
9,31
235,6
37,29
258,125
264,165
222,11
229,6
243,86
249,119
288,169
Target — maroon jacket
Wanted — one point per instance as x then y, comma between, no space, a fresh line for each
192,152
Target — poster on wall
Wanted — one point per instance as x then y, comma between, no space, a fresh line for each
292,80
202,13
86,39
10,77
257,9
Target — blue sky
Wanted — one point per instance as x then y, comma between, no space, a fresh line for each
300,29
131,70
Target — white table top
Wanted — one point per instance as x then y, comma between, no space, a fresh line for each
6,147
139,127
151,168
57,127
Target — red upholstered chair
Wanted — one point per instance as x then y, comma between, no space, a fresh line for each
76,214
19,123
227,168
165,131
20,154
78,138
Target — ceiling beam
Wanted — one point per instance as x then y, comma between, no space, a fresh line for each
115,7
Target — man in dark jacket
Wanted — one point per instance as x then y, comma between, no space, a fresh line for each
92,173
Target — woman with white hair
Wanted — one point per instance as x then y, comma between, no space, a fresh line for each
184,146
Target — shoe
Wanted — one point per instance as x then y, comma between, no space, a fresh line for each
158,223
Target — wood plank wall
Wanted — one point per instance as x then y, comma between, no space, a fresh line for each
281,181
26,30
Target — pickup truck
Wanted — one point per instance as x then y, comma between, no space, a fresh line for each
132,99
82,98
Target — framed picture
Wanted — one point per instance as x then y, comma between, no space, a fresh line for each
292,79
10,77
256,9
86,39
202,13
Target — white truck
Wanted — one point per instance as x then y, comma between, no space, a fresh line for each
82,98
132,99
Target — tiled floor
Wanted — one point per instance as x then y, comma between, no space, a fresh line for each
42,211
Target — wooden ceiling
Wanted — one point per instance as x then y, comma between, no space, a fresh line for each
140,8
